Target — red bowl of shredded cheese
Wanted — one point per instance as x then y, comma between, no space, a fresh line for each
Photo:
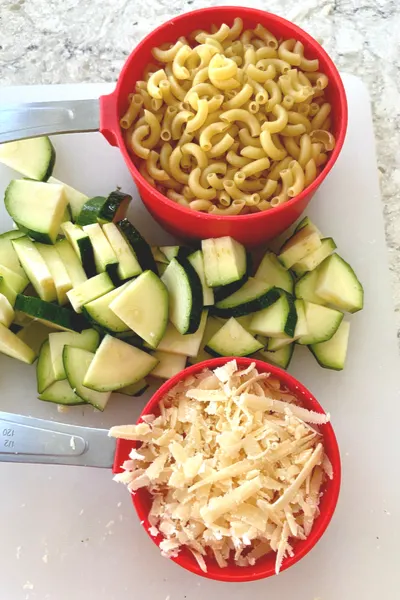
233,467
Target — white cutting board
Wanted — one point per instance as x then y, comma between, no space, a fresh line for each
69,532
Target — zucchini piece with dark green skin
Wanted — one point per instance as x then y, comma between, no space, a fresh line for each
222,292
50,314
104,256
276,320
90,211
139,245
232,340
185,295
103,210
115,207
37,208
82,245
33,158
253,296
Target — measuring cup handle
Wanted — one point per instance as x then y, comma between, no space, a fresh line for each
33,119
29,440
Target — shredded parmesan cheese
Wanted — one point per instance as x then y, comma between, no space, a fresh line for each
235,467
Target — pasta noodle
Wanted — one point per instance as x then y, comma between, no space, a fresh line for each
230,121
198,190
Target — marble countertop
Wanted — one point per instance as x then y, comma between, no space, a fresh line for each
49,41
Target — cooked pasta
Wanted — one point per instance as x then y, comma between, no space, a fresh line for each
230,121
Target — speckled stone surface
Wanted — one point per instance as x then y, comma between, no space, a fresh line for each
71,41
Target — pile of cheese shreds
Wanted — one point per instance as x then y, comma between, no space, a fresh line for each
233,465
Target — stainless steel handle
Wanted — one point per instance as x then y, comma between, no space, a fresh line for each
20,121
30,440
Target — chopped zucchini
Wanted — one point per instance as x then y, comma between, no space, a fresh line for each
306,221
57,270
276,320
104,256
76,364
301,243
103,210
276,343
75,199
60,392
197,262
161,267
332,354
81,243
50,314
168,364
223,291
143,306
16,281
36,268
11,345
128,265
44,369
8,256
71,262
271,271
33,158
224,260
187,345
135,389
312,260
169,252
36,207
6,311
100,314
87,340
254,295
34,334
117,365
322,323
280,358
90,211
90,290
139,245
159,256
232,340
185,295
338,285
7,291
305,288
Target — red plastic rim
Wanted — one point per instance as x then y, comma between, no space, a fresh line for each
218,15
266,566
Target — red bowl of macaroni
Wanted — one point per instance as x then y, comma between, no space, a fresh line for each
233,467
228,119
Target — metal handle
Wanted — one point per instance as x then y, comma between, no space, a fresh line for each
20,121
29,440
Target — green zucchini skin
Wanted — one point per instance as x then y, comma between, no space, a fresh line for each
103,210
197,293
90,211
139,245
52,313
87,255
52,162
249,307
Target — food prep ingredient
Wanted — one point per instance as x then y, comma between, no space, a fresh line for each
240,472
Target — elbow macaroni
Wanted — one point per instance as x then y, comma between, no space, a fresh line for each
229,121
